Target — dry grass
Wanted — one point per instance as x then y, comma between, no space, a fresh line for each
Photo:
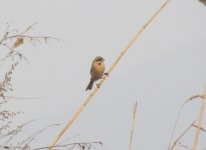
134,114
198,127
199,122
10,44
180,136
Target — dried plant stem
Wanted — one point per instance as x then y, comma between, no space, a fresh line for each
83,144
178,116
181,135
199,122
109,71
133,125
201,128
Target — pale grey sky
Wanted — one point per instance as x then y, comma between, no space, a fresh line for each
164,67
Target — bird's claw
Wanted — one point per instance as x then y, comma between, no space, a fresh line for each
106,74
98,85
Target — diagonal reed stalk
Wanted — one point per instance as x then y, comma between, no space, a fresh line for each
134,114
199,122
109,71
178,117
181,135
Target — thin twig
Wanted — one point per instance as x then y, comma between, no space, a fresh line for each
70,144
23,98
7,36
178,116
16,131
27,141
201,128
181,135
10,41
134,114
184,146
27,29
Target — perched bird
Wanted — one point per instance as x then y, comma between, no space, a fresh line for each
96,71
19,41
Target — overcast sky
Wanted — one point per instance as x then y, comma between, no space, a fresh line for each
164,67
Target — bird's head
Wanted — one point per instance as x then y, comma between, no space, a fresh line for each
99,59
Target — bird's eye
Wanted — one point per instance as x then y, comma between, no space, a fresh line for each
99,59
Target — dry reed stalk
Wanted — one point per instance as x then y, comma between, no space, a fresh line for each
175,126
178,116
133,125
108,72
199,122
181,135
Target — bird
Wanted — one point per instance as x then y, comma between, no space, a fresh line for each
96,71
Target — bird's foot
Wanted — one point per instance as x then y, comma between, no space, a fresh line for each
106,74
98,85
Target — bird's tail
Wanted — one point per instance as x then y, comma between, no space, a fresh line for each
90,85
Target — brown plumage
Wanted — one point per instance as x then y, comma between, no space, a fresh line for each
97,70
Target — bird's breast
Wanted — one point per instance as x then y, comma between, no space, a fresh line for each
97,71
